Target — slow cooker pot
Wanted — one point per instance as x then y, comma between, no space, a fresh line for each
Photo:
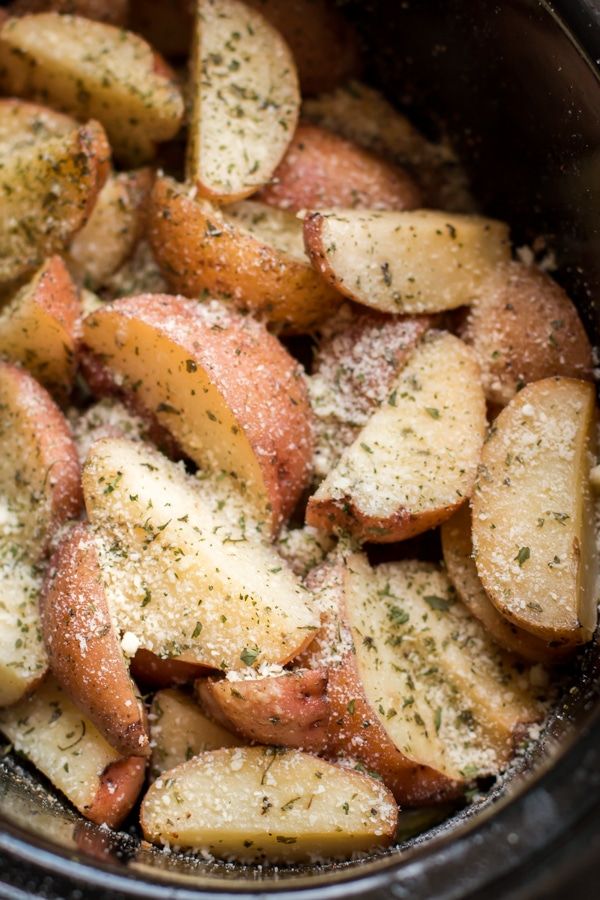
516,85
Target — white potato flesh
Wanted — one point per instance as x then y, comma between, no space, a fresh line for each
260,804
179,730
182,576
533,529
23,124
447,696
277,227
245,100
52,733
23,659
416,459
93,70
405,262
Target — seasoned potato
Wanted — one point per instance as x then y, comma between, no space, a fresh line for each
40,326
66,747
462,571
39,491
112,11
47,190
23,124
289,709
224,387
421,261
115,226
184,577
180,730
85,656
415,460
523,327
257,804
93,70
245,100
533,526
303,548
250,254
323,170
358,357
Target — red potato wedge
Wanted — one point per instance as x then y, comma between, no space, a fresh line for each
66,747
113,230
84,654
47,191
358,357
113,12
458,557
251,254
93,70
421,261
523,328
185,576
40,327
180,730
155,673
533,521
321,170
230,395
245,100
287,710
262,804
324,44
23,123
415,461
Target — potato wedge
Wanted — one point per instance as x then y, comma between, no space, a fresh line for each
245,100
183,576
93,70
180,730
155,673
261,804
458,557
84,654
113,230
523,328
533,525
23,659
324,43
250,254
415,461
114,12
321,170
228,392
421,695
288,710
422,261
40,327
66,747
23,124
47,190
358,357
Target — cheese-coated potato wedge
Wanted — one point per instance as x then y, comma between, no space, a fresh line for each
262,804
288,710
93,70
66,747
416,459
48,187
23,123
249,253
39,328
83,650
421,261
533,522
321,170
228,392
523,328
245,100
457,548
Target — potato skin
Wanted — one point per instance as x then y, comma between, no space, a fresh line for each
321,170
523,328
289,710
120,785
82,646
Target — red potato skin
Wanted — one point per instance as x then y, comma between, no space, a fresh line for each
288,710
83,648
94,143
313,244
156,673
119,788
322,170
57,294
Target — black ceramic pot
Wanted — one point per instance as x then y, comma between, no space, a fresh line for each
517,84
